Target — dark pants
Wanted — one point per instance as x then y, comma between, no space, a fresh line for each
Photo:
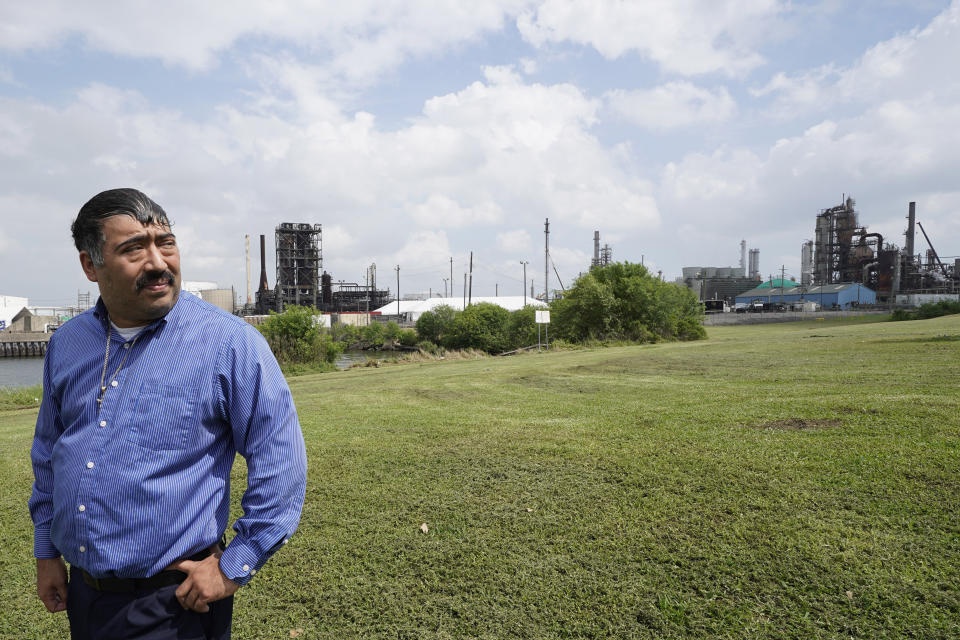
143,615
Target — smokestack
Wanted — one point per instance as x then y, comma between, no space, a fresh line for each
911,223
596,247
743,256
806,263
755,263
247,254
264,286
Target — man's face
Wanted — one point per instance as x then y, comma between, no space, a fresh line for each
140,277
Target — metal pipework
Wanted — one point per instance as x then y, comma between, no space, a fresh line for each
929,244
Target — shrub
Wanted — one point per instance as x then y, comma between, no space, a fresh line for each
295,338
522,328
622,301
408,337
429,347
372,335
391,331
926,311
481,326
345,333
435,325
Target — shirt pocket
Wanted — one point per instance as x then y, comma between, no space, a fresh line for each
164,417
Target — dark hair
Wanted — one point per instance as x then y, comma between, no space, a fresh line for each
87,229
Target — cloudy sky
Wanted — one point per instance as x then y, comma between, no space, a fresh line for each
419,131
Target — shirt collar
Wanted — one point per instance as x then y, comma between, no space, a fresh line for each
100,312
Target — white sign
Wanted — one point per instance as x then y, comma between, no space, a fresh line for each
543,317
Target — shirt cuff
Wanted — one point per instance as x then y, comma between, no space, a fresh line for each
42,545
240,561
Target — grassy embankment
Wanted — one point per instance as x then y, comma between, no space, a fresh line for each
782,481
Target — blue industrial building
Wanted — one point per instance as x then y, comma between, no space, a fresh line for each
828,296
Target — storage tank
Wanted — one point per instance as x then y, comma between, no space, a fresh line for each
222,298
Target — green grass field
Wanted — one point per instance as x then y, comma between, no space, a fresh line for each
780,481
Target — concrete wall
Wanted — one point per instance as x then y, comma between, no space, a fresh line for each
35,324
917,299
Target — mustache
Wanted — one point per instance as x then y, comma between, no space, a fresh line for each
153,276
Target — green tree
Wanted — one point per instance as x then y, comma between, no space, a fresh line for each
295,337
434,326
522,327
408,337
622,301
480,326
391,331
372,335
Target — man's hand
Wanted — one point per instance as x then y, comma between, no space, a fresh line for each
205,583
52,583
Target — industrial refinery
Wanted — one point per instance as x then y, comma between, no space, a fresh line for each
301,280
845,265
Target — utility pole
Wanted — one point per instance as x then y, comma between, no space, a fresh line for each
464,289
451,276
783,270
398,291
496,289
546,261
445,287
524,263
247,252
470,295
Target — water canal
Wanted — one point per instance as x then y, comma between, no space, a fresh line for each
20,372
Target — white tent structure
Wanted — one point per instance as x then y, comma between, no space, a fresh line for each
9,307
411,310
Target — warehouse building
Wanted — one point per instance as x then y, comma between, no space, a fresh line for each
828,296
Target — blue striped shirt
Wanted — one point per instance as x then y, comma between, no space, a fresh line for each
128,489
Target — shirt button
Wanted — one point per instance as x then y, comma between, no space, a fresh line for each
83,549
114,383
246,568
103,423
126,345
253,572
286,540
89,465
82,508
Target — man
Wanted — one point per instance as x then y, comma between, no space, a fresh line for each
147,399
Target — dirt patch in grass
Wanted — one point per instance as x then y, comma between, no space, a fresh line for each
797,424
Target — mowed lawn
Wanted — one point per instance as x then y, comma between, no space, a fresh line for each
783,481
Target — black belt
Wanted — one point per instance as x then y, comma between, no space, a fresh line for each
131,585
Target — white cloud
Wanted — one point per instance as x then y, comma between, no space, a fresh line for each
421,249
441,211
673,105
683,36
494,151
359,40
336,235
911,64
516,240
